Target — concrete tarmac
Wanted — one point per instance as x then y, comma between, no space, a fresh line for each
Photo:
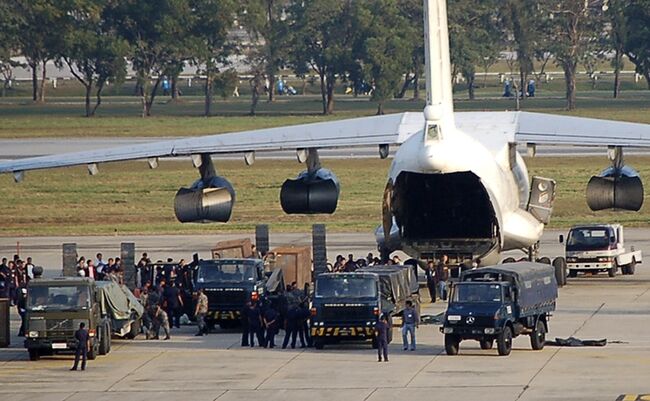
215,367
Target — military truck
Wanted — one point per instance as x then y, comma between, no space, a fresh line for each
500,303
347,306
229,284
56,307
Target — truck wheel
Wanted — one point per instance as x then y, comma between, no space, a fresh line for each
538,336
544,260
136,325
612,272
452,344
573,273
631,267
504,341
319,344
509,260
103,344
92,352
34,355
486,344
560,271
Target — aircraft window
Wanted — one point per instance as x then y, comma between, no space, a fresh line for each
433,132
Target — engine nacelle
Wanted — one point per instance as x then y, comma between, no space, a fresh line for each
202,203
615,189
311,194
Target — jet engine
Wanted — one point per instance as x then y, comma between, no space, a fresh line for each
615,188
205,201
311,193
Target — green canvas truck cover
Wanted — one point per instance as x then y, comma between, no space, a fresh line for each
120,305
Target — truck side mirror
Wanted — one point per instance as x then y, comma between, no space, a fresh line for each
561,238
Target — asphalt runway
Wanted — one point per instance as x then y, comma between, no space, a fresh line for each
217,368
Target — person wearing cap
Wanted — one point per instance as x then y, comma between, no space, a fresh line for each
201,311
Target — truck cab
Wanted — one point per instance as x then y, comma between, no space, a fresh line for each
598,248
229,284
54,310
347,306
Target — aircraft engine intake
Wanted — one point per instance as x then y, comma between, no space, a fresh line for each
615,189
205,202
316,193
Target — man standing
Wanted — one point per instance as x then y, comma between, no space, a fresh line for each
410,321
271,317
381,334
431,280
244,324
200,311
442,275
83,343
255,324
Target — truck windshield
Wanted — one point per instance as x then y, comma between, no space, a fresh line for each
588,238
58,297
222,271
348,287
477,293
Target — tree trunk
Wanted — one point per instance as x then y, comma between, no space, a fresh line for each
175,91
98,102
470,86
416,83
617,74
522,83
323,91
570,78
41,88
271,87
405,86
33,66
380,108
647,78
208,94
331,80
89,88
255,93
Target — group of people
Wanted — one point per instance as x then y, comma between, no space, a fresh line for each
351,264
14,276
100,269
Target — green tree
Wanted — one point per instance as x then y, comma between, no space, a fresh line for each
386,47
473,36
573,29
637,41
266,21
618,38
213,20
94,54
413,12
38,23
9,44
159,35
323,35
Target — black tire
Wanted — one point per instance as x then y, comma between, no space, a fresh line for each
508,260
544,260
103,342
135,329
92,352
631,268
624,270
573,273
319,344
504,341
560,271
34,355
452,344
612,272
487,344
538,336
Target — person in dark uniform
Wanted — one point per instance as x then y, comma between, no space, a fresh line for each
381,334
255,325
303,326
21,305
82,347
291,327
431,280
244,324
271,320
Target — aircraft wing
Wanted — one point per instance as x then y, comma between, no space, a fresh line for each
551,129
377,130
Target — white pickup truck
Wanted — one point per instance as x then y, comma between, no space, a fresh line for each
597,248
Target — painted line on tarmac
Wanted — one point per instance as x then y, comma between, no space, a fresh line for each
527,386
279,368
423,367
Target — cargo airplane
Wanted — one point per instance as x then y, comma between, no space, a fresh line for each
456,186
